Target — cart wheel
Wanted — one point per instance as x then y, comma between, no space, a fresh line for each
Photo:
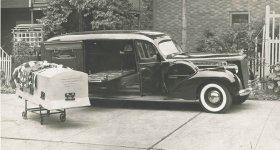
48,113
24,115
62,117
42,120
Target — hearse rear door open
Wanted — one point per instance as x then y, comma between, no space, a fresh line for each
70,54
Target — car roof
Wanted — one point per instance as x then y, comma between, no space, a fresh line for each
107,34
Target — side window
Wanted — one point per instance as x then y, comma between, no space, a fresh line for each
151,52
146,51
140,49
64,54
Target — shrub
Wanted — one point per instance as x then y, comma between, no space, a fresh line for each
231,41
7,90
210,43
3,80
273,83
23,52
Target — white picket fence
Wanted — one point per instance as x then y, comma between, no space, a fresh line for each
6,64
268,53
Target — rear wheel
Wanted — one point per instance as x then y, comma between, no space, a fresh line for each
215,98
240,99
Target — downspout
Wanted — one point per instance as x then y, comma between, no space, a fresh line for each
184,25
30,4
140,13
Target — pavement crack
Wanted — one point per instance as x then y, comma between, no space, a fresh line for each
169,134
259,137
81,143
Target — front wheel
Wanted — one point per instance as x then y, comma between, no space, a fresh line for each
215,98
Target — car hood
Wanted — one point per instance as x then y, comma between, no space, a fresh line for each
204,61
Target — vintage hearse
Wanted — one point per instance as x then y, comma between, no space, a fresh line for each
146,65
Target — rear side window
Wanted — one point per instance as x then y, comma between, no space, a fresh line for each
64,54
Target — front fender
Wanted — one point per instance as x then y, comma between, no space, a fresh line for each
190,87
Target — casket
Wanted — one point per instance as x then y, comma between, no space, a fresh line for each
57,88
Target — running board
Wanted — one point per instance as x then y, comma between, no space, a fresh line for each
140,98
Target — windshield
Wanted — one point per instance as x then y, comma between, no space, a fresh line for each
169,47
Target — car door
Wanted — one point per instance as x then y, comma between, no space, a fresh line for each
149,68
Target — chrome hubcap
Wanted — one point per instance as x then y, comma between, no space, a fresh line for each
214,96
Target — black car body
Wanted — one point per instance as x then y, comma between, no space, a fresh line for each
145,65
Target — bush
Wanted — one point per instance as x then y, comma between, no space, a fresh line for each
210,43
7,90
263,95
273,83
232,41
3,80
23,52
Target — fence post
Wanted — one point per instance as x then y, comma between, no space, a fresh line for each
267,42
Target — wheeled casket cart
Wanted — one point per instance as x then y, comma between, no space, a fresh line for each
54,90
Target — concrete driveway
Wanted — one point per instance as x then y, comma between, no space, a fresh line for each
118,125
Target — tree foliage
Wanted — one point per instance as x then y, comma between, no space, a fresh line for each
110,14
100,14
146,14
56,13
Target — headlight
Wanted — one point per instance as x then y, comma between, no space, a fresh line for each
235,68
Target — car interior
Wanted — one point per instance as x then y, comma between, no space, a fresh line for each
111,65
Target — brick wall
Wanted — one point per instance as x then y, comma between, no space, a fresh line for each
205,14
167,17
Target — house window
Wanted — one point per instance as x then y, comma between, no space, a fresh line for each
238,19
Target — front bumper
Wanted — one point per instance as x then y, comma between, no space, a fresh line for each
253,85
244,92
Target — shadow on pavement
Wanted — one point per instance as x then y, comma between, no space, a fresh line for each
240,107
53,121
152,105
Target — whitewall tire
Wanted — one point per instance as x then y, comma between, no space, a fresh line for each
215,98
